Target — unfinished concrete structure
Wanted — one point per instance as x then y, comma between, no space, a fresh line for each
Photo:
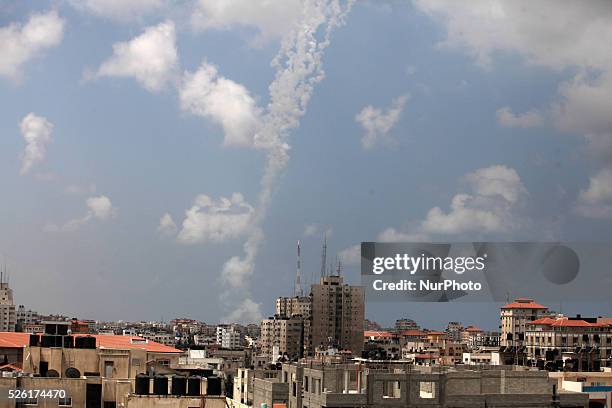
363,385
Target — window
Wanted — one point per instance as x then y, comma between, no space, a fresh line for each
64,402
108,369
427,389
29,401
391,389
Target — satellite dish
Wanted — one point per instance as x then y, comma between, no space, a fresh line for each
72,372
52,374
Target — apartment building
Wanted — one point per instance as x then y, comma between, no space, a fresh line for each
575,343
338,313
282,336
514,319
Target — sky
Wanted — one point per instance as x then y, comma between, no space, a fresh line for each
162,158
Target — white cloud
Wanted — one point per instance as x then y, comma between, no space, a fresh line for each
315,229
36,131
351,255
310,230
575,36
98,208
219,220
489,206
596,200
20,43
167,226
150,58
507,118
206,93
377,123
271,18
247,312
120,10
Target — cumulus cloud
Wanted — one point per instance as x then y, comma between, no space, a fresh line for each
98,208
36,131
206,93
315,229
20,43
119,10
377,122
150,58
351,255
210,220
507,118
575,36
489,206
596,200
271,18
167,226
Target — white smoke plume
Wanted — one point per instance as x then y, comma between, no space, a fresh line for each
299,67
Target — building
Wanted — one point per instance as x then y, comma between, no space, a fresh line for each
294,306
8,315
370,385
99,369
405,324
572,343
514,319
282,336
338,313
597,384
229,337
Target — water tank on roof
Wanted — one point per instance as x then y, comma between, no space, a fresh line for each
34,340
213,386
160,385
179,385
143,383
194,386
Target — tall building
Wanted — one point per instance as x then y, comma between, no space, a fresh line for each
8,316
297,307
405,324
229,337
514,319
282,336
338,314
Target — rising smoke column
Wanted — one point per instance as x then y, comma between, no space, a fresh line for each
299,67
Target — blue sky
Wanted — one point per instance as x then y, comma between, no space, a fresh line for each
491,108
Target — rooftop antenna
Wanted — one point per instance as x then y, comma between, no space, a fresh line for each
339,268
324,256
298,276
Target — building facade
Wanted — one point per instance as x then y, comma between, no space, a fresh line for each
338,313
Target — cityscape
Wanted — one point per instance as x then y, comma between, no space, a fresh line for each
305,204
317,350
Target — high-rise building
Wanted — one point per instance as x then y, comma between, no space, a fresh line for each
406,324
8,316
297,307
229,337
282,336
514,319
338,313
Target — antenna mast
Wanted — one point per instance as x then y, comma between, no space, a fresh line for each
324,256
298,276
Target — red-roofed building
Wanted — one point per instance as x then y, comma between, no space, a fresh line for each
584,344
514,318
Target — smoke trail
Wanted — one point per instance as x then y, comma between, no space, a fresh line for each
299,67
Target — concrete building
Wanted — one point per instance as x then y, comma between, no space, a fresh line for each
94,370
361,385
574,343
8,315
405,324
514,319
338,313
282,336
353,385
598,385
244,385
229,337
